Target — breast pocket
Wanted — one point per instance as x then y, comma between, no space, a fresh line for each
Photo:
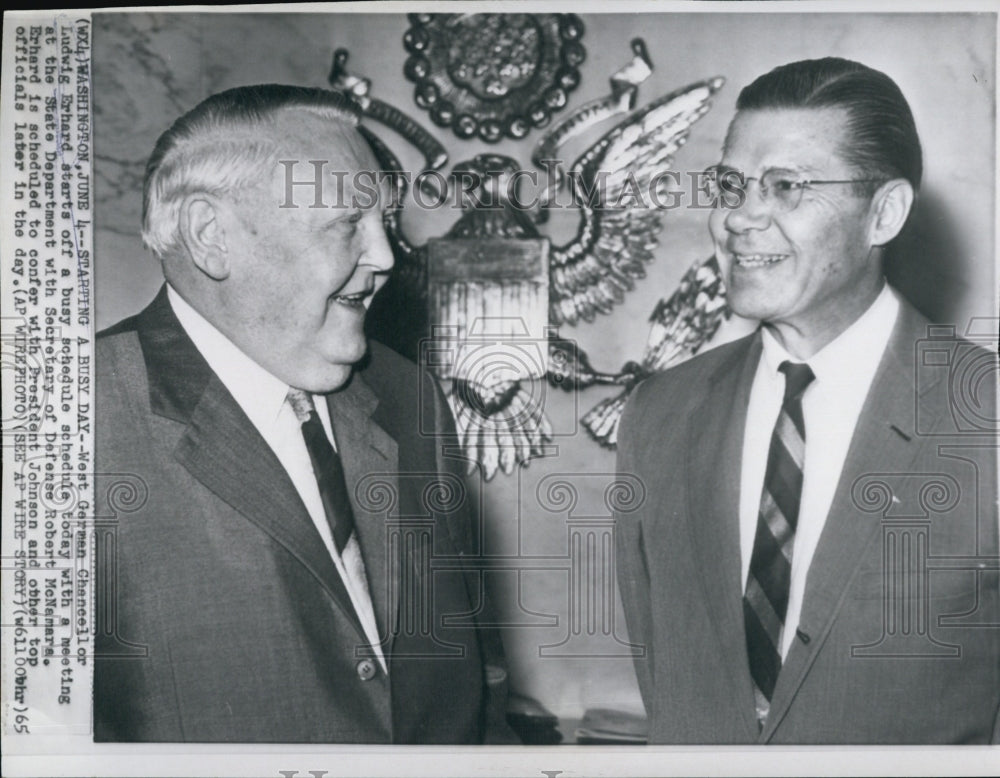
944,590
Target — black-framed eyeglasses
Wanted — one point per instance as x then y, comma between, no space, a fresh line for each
779,189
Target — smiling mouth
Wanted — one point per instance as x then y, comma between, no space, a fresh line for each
757,260
356,300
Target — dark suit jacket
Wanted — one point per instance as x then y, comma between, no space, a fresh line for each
887,651
222,615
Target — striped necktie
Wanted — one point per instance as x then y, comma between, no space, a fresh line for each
765,601
326,467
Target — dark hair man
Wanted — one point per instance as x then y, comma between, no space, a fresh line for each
263,584
781,571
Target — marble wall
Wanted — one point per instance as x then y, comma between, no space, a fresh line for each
151,67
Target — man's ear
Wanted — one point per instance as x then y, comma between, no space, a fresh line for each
204,236
890,207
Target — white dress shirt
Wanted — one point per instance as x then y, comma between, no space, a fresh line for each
262,398
831,404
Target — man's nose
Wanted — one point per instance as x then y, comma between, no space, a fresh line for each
753,214
376,252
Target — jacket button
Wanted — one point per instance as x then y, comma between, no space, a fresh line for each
366,669
495,675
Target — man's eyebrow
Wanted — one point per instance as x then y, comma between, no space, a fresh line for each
797,168
803,169
340,215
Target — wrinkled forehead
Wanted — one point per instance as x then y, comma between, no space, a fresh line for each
322,162
794,138
305,135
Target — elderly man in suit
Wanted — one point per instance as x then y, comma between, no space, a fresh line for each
270,581
815,560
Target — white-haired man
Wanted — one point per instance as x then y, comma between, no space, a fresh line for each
272,582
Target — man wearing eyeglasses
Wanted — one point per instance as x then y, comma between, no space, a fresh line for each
816,557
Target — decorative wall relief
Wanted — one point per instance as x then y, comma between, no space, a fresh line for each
482,305
493,75
435,156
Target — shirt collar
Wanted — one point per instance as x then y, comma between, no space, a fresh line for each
260,394
855,352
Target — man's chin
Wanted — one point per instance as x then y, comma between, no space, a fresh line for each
321,373
753,305
329,379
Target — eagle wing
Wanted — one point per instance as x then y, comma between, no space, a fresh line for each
679,326
619,225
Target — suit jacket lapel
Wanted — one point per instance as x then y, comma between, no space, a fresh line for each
223,450
371,463
883,438
715,440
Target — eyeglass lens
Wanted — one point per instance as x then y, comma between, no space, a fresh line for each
778,188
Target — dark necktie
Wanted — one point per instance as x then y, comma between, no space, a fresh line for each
326,467
765,601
